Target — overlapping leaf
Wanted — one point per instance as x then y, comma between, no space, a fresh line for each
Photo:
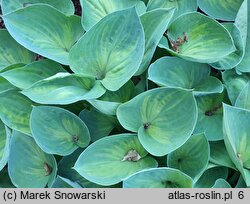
123,154
65,6
223,10
154,23
58,131
196,37
192,157
28,165
26,76
15,111
183,6
4,145
158,178
176,72
233,59
112,50
237,138
95,10
64,88
99,124
210,115
234,83
12,52
162,122
52,37
243,23
109,102
243,100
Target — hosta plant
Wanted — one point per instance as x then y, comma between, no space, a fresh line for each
124,93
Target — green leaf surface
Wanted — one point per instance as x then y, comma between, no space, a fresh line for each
65,170
61,182
28,165
158,178
162,123
221,183
99,124
109,102
113,153
192,157
106,53
65,6
15,111
243,22
154,23
210,176
234,83
64,88
243,100
214,44
52,37
219,154
233,59
178,73
5,85
58,131
95,10
12,52
210,116
26,76
222,10
181,6
4,144
237,138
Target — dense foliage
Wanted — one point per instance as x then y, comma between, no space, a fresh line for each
131,93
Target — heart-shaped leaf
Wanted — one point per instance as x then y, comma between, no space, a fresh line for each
112,50
52,37
234,83
109,102
122,153
178,73
28,165
15,111
99,124
219,154
181,7
233,59
192,157
210,116
4,144
243,22
64,88
187,42
58,131
12,52
237,138
243,100
95,10
223,10
24,77
154,23
162,123
65,6
158,178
